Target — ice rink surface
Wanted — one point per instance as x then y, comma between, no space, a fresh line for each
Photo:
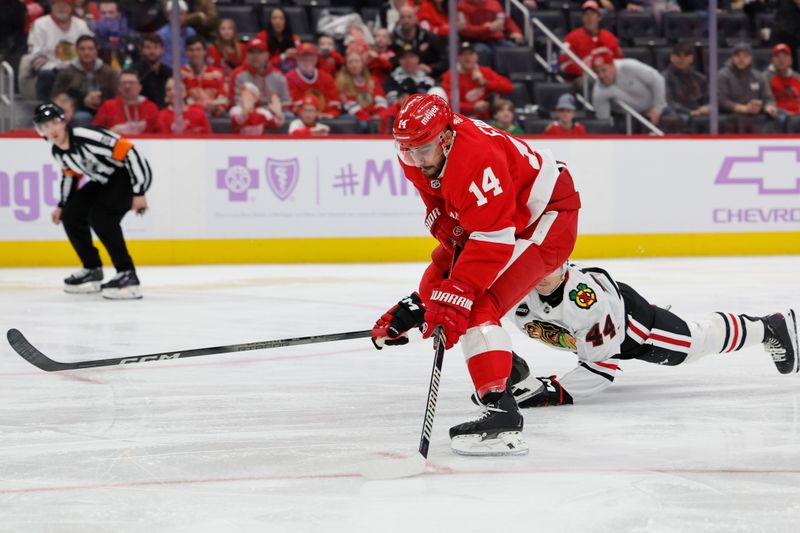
270,441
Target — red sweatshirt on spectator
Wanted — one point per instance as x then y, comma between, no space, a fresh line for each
330,63
195,121
582,45
365,104
432,20
275,55
227,61
478,15
554,129
786,92
471,92
254,123
211,80
320,85
380,66
141,117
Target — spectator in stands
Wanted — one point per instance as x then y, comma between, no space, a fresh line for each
308,124
485,24
153,74
113,34
87,79
407,32
227,52
67,103
308,79
565,126
784,82
503,117
390,13
403,90
281,42
12,33
144,16
744,92
409,69
34,9
687,89
360,94
166,34
129,113
250,117
257,70
380,59
52,44
330,60
477,85
656,7
206,86
88,11
586,39
433,16
202,16
786,28
195,121
627,80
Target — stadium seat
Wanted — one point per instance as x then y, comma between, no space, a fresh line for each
311,3
256,2
344,125
762,58
732,25
510,60
220,124
297,17
793,124
554,21
319,11
533,124
370,14
684,25
632,25
723,54
608,22
650,41
662,61
243,16
519,96
598,126
641,53
546,95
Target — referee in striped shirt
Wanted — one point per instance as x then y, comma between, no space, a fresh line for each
103,177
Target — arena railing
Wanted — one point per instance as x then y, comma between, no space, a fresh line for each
6,96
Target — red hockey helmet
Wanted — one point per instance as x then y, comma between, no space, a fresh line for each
420,124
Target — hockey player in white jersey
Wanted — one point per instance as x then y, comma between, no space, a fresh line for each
585,311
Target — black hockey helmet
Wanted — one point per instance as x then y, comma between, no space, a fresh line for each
45,113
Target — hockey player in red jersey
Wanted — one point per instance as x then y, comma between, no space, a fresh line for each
514,212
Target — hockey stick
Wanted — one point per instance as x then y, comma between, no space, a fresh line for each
417,463
29,352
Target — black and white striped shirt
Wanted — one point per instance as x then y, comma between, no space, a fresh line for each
97,154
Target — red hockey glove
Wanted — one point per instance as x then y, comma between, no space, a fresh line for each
449,306
445,229
548,392
392,327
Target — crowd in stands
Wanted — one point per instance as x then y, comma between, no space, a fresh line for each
294,67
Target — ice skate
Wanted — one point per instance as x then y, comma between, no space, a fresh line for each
124,286
497,432
84,281
780,340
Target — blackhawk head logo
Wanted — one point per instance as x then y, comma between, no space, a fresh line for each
583,296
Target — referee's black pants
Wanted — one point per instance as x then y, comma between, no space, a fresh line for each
101,208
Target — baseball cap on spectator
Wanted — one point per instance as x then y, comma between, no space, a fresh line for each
307,49
601,56
781,48
590,5
406,49
309,100
257,43
181,5
742,46
683,49
565,101
466,46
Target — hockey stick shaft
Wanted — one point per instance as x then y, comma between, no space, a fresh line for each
24,348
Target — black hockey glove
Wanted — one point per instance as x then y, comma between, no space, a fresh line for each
548,392
392,327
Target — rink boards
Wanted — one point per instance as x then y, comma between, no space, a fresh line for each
247,200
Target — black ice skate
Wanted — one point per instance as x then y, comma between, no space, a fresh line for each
497,432
519,372
124,286
84,281
780,340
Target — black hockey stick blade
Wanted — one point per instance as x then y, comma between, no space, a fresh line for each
29,352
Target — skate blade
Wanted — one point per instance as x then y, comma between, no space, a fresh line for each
394,468
127,293
90,287
791,325
507,443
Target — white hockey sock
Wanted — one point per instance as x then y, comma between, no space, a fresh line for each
723,333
